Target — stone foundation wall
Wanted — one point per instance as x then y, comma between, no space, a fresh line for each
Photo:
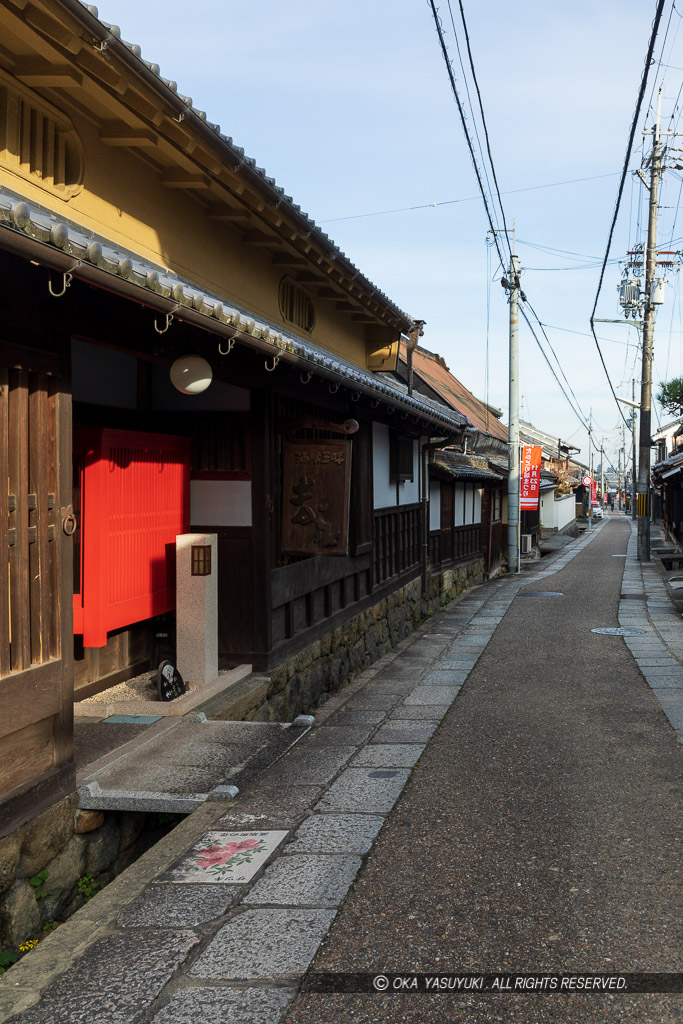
69,844
300,684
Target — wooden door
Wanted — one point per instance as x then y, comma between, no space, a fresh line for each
36,641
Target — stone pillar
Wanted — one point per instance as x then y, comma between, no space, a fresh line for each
196,611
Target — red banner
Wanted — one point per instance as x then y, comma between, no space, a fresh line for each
530,478
594,493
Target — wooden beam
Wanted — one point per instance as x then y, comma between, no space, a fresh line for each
328,295
284,259
259,238
309,278
364,318
42,73
347,307
115,133
221,211
184,179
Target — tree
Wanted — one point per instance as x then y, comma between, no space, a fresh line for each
670,396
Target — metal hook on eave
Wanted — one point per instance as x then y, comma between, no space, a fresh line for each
276,360
228,350
66,282
306,379
162,330
333,388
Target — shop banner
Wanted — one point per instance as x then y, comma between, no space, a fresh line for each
530,478
315,499
594,493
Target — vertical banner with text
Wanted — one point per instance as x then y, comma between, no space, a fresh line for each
530,478
315,500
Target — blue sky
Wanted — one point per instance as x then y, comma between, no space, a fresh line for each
349,107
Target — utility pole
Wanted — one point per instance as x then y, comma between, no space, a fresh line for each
619,476
513,395
511,285
634,510
602,474
643,486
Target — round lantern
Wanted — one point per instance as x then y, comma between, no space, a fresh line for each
191,375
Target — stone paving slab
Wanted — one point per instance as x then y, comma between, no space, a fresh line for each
163,905
388,755
312,766
336,833
266,943
397,731
369,790
442,696
342,735
349,718
237,1006
396,687
306,880
444,677
415,713
369,700
113,980
271,807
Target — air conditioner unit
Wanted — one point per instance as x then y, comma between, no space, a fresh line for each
525,543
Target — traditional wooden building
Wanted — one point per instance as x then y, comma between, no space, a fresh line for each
142,252
468,482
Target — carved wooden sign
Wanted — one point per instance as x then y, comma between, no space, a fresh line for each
315,499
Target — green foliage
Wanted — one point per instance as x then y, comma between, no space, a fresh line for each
50,926
670,395
7,958
87,886
37,882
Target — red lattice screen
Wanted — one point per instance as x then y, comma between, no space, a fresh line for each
135,500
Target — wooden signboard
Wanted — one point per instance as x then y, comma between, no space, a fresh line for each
315,499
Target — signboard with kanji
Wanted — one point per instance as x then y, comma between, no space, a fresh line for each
530,478
315,498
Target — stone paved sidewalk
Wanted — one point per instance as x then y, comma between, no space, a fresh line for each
149,950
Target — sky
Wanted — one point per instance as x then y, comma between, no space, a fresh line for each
349,107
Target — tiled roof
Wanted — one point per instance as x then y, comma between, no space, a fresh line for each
434,372
235,155
464,467
64,246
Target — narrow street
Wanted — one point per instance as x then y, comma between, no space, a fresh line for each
535,832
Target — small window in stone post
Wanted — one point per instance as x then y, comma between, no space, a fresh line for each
201,560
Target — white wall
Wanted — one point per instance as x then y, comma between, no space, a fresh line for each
384,495
409,492
434,505
565,510
220,502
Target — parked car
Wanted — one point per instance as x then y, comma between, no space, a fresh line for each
597,511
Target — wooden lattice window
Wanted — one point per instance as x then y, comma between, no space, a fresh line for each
296,305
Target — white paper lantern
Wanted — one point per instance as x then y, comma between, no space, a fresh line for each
191,375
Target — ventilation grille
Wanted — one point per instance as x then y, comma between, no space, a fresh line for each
39,143
296,305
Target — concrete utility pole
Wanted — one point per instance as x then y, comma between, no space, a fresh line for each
619,477
513,394
602,474
634,503
643,486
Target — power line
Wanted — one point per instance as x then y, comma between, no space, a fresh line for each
578,414
634,123
451,77
536,317
483,119
466,199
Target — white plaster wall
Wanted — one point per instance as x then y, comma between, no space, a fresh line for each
547,510
459,505
384,493
409,492
478,491
434,505
565,511
220,502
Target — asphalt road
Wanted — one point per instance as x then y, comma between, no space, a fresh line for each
537,832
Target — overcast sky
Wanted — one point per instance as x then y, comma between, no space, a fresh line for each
349,107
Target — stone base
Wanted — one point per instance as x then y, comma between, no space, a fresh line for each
309,678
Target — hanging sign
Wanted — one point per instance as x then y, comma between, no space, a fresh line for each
530,478
315,497
594,492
